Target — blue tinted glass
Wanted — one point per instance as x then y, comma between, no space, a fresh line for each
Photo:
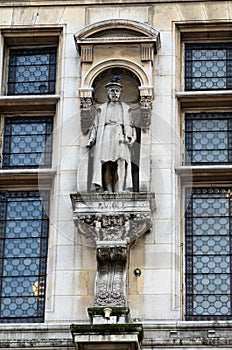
23,252
208,66
208,138
208,255
27,142
32,71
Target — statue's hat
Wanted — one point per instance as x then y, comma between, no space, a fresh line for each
115,82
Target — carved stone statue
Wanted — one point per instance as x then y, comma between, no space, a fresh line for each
111,138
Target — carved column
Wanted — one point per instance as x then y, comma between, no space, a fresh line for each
112,221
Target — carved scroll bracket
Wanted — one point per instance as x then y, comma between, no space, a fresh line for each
112,221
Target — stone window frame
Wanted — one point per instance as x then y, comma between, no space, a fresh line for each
25,289
195,102
31,179
26,105
208,138
25,38
40,87
220,193
216,101
47,118
198,66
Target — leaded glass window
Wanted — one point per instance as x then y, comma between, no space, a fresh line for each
27,142
32,71
208,66
23,255
208,221
208,138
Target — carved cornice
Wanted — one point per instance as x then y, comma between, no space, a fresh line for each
118,31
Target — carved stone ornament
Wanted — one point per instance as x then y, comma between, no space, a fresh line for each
111,275
86,102
87,114
146,107
112,221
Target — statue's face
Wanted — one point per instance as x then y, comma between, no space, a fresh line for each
114,94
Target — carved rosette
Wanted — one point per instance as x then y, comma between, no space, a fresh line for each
112,221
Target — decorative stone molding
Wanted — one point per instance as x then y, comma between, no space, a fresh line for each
140,41
113,217
110,336
86,53
147,52
87,109
118,31
111,274
146,97
145,109
113,221
86,102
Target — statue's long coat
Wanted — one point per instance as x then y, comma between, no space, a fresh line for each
97,135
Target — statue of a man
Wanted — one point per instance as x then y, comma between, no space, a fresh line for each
111,137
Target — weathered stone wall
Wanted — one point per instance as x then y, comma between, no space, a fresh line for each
157,293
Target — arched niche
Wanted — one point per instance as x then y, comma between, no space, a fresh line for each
130,95
130,82
122,46
117,43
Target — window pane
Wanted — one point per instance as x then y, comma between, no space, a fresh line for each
27,142
208,254
208,138
32,71
23,255
208,66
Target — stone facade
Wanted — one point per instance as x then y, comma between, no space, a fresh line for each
143,38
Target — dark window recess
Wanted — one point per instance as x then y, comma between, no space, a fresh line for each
32,71
208,66
23,255
208,245
208,138
27,142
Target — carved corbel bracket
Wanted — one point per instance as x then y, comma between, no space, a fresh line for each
110,284
146,97
87,109
112,221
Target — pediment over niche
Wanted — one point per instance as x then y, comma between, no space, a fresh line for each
115,31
